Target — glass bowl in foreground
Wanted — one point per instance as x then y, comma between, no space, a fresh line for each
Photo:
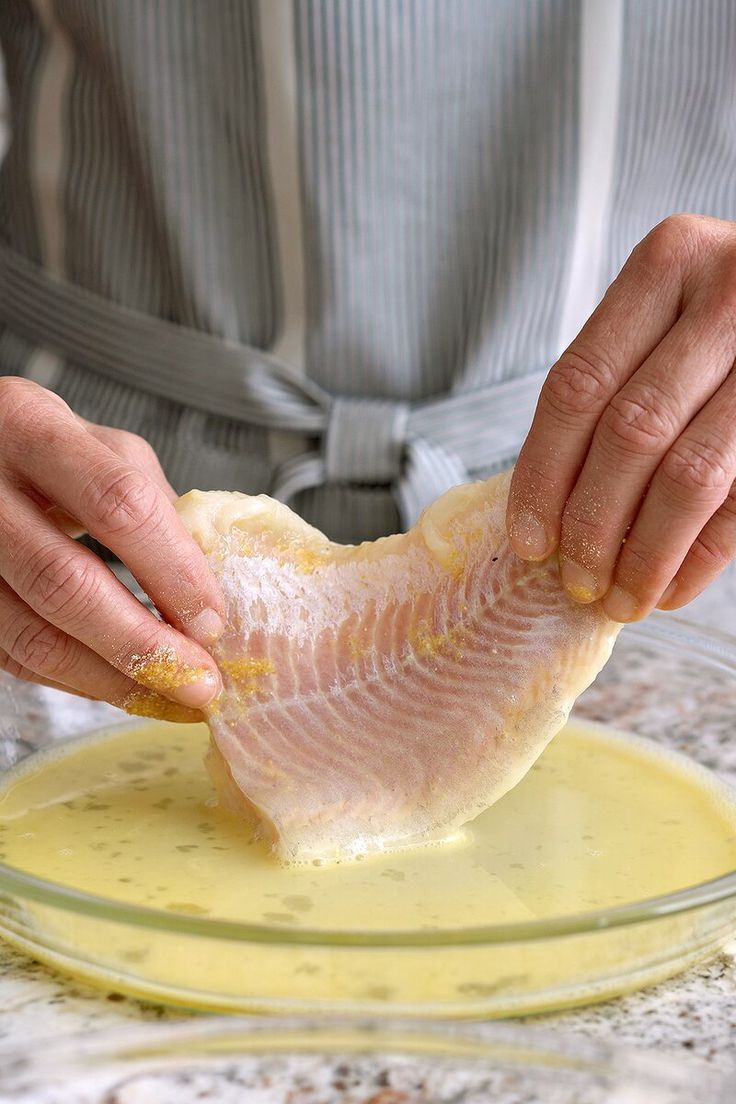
234,1061
668,681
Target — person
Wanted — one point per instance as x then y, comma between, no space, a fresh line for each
329,251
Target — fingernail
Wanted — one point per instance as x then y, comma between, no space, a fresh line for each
620,605
206,627
578,582
668,595
197,693
529,537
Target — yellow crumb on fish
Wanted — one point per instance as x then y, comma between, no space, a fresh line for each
247,672
243,546
427,643
454,562
306,560
457,558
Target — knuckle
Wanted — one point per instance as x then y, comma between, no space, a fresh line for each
131,447
723,304
728,508
141,450
578,384
22,398
24,405
190,576
697,467
639,565
636,423
41,648
671,240
10,666
534,487
582,531
62,585
15,392
9,387
136,443
127,503
146,639
710,552
147,634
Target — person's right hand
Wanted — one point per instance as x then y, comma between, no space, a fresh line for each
65,620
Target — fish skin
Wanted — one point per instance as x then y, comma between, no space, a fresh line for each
379,696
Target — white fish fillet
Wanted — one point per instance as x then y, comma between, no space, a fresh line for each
382,695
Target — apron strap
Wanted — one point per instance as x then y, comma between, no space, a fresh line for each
421,449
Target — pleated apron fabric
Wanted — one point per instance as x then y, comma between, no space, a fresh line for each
328,249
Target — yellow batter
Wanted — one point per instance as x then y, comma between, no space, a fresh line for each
600,820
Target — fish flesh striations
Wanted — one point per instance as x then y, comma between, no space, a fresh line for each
379,696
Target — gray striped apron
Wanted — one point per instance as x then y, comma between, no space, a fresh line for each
328,249
420,449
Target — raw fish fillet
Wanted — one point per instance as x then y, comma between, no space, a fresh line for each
379,696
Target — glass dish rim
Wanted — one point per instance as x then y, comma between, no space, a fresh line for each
190,1041
716,645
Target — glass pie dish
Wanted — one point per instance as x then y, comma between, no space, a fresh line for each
668,681
356,1062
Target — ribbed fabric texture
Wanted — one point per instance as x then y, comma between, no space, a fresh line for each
438,158
23,45
438,183
676,147
420,449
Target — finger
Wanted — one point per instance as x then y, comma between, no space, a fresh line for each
147,703
68,586
126,445
136,449
38,651
125,511
639,308
11,667
140,703
634,432
65,522
689,487
60,518
35,651
37,646
132,517
712,550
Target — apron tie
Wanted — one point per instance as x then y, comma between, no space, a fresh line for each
368,442
419,449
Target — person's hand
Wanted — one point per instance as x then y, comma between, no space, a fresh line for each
630,463
65,620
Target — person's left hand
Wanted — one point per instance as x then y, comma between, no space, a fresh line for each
630,463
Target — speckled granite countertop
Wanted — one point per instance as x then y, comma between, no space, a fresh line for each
694,1014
